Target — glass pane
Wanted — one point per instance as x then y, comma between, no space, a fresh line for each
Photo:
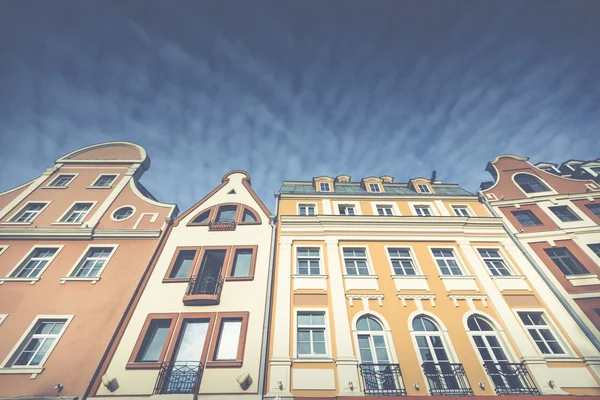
304,319
57,327
362,324
381,354
441,355
229,340
154,340
241,264
226,214
192,340
249,217
304,335
318,335
319,347
183,264
304,348
318,319
44,327
429,326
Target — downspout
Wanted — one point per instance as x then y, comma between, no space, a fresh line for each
265,339
590,335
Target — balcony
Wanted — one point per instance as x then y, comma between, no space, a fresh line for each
382,380
178,377
203,290
511,379
221,226
447,379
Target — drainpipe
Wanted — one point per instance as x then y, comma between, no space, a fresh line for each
265,340
590,335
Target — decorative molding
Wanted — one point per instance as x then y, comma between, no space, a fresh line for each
365,299
469,299
81,233
417,299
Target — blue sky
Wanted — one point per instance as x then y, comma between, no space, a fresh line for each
291,90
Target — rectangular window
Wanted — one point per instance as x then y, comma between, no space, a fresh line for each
35,263
346,209
38,344
93,262
154,341
384,210
595,248
309,261
446,261
564,213
356,262
324,187
423,188
229,339
494,262
29,212
595,208
526,218
460,211
306,209
566,261
423,211
242,263
311,334
77,213
105,181
183,264
62,180
402,262
374,188
226,214
540,332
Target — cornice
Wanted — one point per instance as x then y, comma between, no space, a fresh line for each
532,200
378,197
77,233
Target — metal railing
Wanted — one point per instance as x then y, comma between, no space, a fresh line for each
221,226
447,379
204,285
511,378
177,377
382,379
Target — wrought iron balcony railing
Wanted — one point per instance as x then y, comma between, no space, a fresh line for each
447,379
510,379
221,226
382,380
178,377
204,285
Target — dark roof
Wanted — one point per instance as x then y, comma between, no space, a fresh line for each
354,188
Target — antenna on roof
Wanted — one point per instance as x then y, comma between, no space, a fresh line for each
433,175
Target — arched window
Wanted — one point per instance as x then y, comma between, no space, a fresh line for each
530,184
249,216
226,216
202,218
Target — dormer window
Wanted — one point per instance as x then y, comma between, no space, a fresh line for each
324,187
530,183
375,188
423,188
226,214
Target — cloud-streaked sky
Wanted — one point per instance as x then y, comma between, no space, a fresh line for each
289,90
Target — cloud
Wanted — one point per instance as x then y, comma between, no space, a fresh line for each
293,91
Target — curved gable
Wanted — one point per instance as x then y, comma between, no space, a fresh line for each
107,152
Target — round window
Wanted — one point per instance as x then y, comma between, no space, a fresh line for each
123,213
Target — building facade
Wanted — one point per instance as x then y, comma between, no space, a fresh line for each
74,244
394,289
554,213
198,326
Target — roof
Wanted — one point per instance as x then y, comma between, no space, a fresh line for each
354,188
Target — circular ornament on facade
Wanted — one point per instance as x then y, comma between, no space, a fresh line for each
123,213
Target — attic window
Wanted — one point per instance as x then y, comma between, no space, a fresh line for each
249,216
202,218
226,214
423,188
324,187
374,187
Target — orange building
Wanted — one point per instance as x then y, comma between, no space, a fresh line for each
74,244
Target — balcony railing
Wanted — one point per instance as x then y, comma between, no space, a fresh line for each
221,226
447,379
178,377
511,379
382,380
204,285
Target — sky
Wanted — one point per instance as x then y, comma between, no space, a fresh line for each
290,90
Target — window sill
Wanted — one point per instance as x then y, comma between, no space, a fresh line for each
175,280
409,276
54,187
154,365
457,277
239,278
16,223
312,360
34,371
67,223
360,276
72,279
30,280
507,277
99,187
223,364
583,279
298,276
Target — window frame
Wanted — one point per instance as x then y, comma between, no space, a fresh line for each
328,187
572,214
132,363
384,207
9,276
174,257
94,184
238,217
3,248
300,205
528,212
296,265
591,207
457,257
346,207
368,259
70,275
183,317
211,362
69,211
416,266
375,184
568,351
229,264
326,334
503,257
549,189
50,185
571,256
112,215
420,186
589,245
466,207
10,220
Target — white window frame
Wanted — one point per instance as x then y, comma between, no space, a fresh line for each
26,335
328,187
509,265
375,185
418,270
3,318
568,350
300,204
70,275
57,177
3,248
430,204
420,186
583,221
8,277
68,213
93,185
454,207
10,219
112,215
369,263
312,358
355,204
419,207
392,205
308,246
457,257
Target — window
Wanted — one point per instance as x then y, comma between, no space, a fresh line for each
324,187
565,261
77,213
105,181
402,262
595,208
311,334
460,211
308,261
29,212
356,262
62,180
564,213
494,262
540,332
374,188
226,214
423,188
183,264
35,263
526,218
306,209
93,263
154,341
229,339
384,210
202,218
249,217
122,213
446,261
595,248
38,344
346,209
242,263
423,211
530,184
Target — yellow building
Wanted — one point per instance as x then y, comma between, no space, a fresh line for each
384,288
